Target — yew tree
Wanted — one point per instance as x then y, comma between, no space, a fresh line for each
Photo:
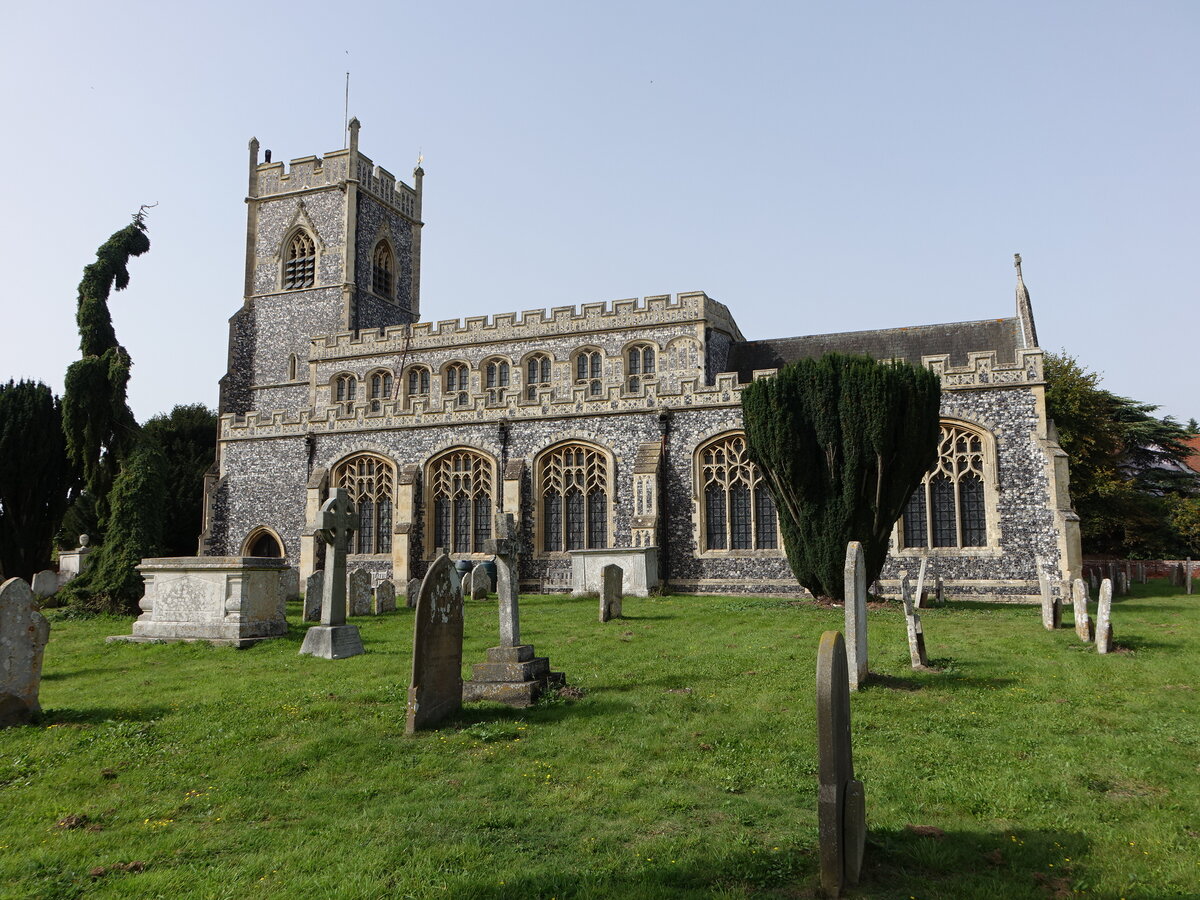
842,442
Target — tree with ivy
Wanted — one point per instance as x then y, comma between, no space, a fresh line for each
842,442
36,477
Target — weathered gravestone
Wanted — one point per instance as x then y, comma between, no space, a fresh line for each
1177,575
481,583
1051,606
919,599
1079,598
610,592
1104,637
314,586
1188,577
289,584
333,638
436,690
512,673
856,614
916,635
44,583
467,583
359,592
413,591
385,597
940,593
841,799
24,632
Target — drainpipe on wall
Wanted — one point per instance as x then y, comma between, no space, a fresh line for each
502,432
664,567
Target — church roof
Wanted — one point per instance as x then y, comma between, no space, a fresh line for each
955,338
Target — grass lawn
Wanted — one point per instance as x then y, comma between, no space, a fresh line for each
686,770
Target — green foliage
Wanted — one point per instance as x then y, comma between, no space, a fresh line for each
1126,464
1185,520
842,441
35,477
112,583
187,438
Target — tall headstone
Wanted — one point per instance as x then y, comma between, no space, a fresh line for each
24,632
916,635
467,582
313,587
44,583
414,591
1051,607
919,599
610,592
1177,575
1188,577
505,548
1104,638
333,638
1079,598
841,799
360,592
385,597
481,583
940,593
436,690
856,614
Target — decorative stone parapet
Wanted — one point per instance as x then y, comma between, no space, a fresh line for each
640,567
231,600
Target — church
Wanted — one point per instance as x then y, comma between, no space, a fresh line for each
611,431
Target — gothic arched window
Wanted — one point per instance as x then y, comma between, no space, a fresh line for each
418,382
299,262
589,370
948,508
381,389
639,365
345,386
370,481
737,510
457,383
461,498
573,487
381,270
537,374
496,376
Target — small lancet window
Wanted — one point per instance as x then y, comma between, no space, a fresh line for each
588,370
457,383
381,270
537,375
496,375
300,263
639,367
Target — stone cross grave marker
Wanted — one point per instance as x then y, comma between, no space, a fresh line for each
24,632
313,587
1079,597
333,638
436,690
919,600
856,614
611,592
359,592
385,597
505,548
1104,637
413,591
841,799
916,635
481,584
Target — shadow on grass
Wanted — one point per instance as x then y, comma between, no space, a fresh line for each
541,713
95,715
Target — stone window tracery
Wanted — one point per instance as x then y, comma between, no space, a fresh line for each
639,367
496,378
418,382
948,508
345,386
573,488
381,269
737,510
457,383
461,497
537,375
300,262
370,481
589,369
381,389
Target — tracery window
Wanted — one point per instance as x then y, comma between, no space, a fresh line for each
418,382
589,369
345,386
461,494
573,495
738,510
381,269
369,480
537,374
300,262
947,509
496,374
381,389
457,383
639,365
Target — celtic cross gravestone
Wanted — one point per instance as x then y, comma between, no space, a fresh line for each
333,638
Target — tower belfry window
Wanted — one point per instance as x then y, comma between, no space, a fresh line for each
300,263
381,270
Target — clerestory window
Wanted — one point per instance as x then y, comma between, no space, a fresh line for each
381,389
537,375
589,370
639,366
457,383
345,386
496,377
418,382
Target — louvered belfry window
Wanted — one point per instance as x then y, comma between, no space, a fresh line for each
300,262
948,509
461,491
370,481
573,490
739,512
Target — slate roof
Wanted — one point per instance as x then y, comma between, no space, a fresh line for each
910,344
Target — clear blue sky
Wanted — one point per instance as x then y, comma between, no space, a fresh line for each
816,166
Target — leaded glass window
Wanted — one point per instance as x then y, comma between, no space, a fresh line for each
589,370
381,389
461,488
344,389
573,486
381,269
948,508
537,374
369,480
300,262
458,382
418,382
738,510
639,365
496,374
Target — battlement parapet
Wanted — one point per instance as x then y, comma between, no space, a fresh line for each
274,178
983,371
384,185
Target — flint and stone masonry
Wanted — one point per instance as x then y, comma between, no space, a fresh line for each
334,381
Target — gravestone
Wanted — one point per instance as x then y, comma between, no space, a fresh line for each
1104,639
920,600
289,584
385,597
856,614
313,587
916,635
44,583
467,582
940,593
841,799
513,674
414,591
610,592
1188,577
333,638
1051,607
1079,598
436,690
481,584
359,596
24,632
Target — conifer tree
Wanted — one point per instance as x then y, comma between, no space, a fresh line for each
842,442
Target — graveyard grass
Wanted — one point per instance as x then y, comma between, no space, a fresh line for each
687,769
